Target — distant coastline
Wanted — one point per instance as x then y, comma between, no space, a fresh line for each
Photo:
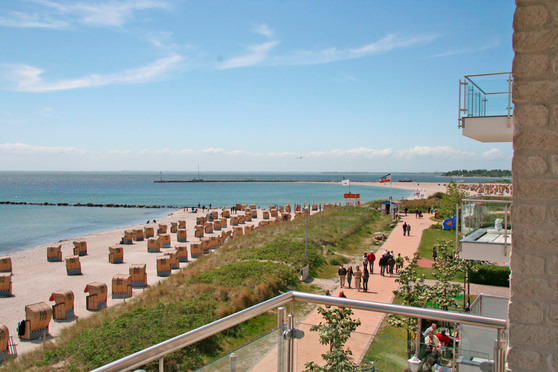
494,173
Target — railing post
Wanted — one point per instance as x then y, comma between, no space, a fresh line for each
161,364
290,345
459,109
232,358
417,341
500,352
509,99
506,231
281,313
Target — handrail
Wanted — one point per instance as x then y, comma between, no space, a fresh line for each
411,311
159,350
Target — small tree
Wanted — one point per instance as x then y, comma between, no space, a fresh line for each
453,196
412,292
335,332
446,266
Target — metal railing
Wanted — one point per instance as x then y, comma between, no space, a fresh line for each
158,351
474,99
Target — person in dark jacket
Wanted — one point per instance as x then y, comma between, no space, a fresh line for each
365,277
342,272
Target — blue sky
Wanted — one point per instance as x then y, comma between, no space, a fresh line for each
245,85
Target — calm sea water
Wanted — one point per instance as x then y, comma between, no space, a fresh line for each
25,226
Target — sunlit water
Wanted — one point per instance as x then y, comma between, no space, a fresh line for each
25,226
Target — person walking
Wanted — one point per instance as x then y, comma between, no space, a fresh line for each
371,259
364,260
398,262
408,230
358,277
391,264
365,277
342,272
382,264
349,275
404,228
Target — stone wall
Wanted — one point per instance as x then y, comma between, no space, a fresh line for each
533,311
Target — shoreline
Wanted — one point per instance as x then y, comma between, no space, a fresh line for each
34,278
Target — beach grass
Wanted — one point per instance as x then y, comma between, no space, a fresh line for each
247,270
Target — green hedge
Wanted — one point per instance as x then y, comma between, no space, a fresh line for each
491,275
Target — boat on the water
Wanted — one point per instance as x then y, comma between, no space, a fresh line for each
405,180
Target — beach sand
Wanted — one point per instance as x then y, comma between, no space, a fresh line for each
421,189
426,189
34,278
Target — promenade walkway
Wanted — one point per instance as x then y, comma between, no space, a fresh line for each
380,289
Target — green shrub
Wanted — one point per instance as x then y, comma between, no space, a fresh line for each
289,252
338,260
248,273
437,226
491,275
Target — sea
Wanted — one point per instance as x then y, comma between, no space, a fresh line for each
27,226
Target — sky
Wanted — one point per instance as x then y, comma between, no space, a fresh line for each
356,86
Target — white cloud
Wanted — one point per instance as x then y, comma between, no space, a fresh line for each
54,14
438,151
390,42
46,111
493,154
23,20
256,54
467,50
264,30
25,149
161,40
26,78
419,156
343,78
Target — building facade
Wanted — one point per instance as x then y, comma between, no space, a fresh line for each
533,309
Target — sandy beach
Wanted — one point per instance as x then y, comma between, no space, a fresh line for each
426,189
34,278
421,189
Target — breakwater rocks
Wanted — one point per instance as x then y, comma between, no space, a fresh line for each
93,205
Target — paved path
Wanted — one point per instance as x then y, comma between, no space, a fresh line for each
380,289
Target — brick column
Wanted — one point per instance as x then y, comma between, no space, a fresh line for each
533,311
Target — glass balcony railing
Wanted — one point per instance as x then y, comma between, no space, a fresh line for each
486,227
485,95
258,355
485,107
289,347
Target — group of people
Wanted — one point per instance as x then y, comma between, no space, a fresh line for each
360,277
434,342
418,212
388,262
406,229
